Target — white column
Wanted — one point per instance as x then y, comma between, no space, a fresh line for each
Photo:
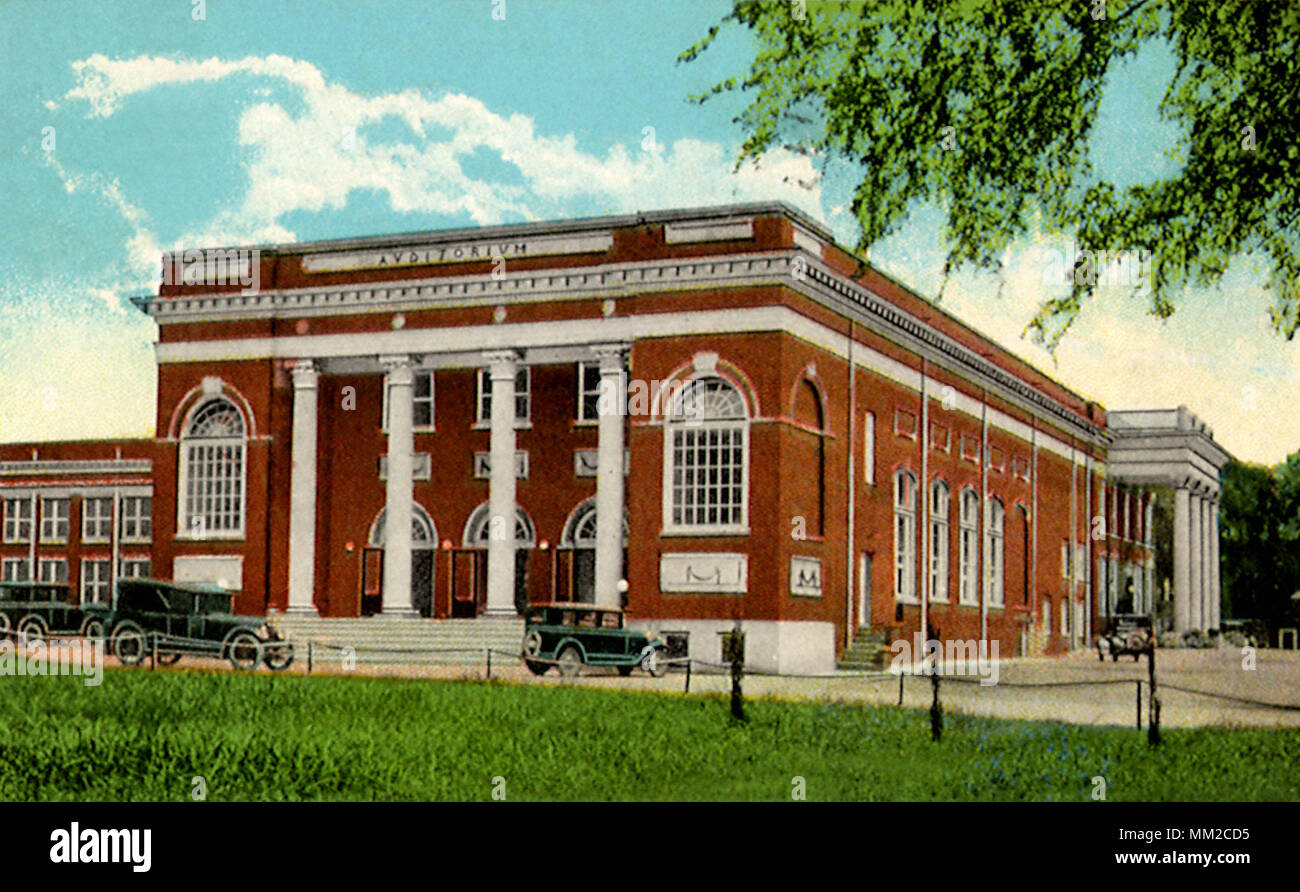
398,507
609,476
302,490
1207,587
1196,565
502,366
1182,560
1216,602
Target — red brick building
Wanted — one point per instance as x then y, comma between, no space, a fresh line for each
800,442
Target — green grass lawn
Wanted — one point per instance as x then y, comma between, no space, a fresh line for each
144,736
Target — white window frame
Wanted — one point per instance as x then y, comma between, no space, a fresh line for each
19,520
136,519
417,399
585,392
91,583
969,532
523,391
11,567
1065,559
186,509
55,563
96,526
940,497
869,447
56,525
687,428
905,497
128,567
995,594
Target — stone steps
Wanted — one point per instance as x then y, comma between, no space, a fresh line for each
401,641
868,651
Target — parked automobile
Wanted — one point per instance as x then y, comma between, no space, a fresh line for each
573,635
190,619
35,610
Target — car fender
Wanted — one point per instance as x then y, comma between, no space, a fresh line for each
565,642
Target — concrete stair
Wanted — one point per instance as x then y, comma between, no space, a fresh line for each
868,651
390,640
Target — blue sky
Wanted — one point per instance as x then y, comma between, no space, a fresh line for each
131,128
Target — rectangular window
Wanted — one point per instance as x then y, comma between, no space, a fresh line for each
997,459
95,574
523,398
588,391
939,560
1065,559
18,520
869,447
17,570
422,390
137,519
135,568
708,477
54,519
940,437
214,488
970,449
96,519
54,570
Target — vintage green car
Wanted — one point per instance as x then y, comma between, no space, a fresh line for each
34,610
187,618
573,635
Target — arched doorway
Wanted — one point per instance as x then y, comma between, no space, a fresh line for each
469,594
578,550
424,544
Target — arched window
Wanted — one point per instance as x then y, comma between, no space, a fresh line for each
580,528
939,541
478,529
808,412
212,456
994,554
423,533
706,445
970,512
905,536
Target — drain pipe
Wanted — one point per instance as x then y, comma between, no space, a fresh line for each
850,546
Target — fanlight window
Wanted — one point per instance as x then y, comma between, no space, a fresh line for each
580,531
478,530
212,472
707,453
423,534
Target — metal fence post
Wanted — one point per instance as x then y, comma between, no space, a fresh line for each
688,676
309,656
153,651
489,661
1138,703
900,688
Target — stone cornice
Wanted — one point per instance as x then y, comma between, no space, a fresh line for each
41,468
793,269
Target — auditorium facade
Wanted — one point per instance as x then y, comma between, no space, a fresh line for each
704,415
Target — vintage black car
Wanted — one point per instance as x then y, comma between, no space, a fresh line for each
572,635
34,610
188,618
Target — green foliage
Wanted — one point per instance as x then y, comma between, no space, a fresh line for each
986,108
145,736
1259,530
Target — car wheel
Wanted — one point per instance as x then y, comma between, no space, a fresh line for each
625,671
129,644
532,645
244,650
169,659
570,661
5,625
92,628
279,656
655,664
537,667
31,630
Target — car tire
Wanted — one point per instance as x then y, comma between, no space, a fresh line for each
92,628
169,659
537,667
31,629
279,656
129,644
243,650
625,671
570,661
